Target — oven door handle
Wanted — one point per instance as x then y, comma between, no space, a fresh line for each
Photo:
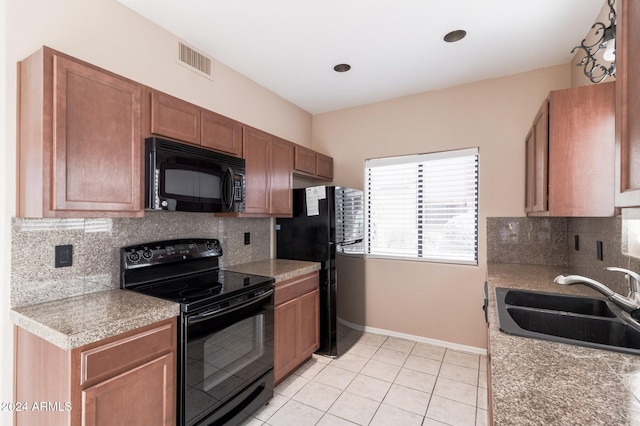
219,312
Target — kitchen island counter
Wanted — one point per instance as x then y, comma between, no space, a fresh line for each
535,382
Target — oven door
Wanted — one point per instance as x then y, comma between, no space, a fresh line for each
227,361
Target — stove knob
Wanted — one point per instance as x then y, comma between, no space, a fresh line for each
147,254
134,257
208,245
216,245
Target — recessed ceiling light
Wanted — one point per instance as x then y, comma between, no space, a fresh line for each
454,36
342,68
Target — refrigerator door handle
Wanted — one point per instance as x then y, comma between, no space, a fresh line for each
352,242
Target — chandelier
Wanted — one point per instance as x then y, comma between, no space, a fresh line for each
605,40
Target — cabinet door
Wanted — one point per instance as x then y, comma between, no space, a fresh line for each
582,151
530,176
142,396
628,104
175,118
305,160
285,335
281,178
257,155
324,166
309,324
541,159
97,143
221,133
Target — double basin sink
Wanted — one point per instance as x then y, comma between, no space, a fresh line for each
577,320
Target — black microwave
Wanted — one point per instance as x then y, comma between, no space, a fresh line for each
182,177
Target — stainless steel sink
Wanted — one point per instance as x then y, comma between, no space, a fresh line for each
577,320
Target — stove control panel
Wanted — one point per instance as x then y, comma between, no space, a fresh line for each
169,251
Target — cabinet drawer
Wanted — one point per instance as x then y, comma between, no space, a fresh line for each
120,355
296,287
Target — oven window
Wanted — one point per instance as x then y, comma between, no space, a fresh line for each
232,350
191,184
221,363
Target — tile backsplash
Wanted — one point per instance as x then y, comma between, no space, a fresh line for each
96,244
535,241
552,241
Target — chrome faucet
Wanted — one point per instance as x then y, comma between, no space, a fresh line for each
624,303
633,278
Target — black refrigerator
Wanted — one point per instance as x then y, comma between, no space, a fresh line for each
325,219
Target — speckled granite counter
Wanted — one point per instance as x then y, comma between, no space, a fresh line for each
77,321
534,382
280,269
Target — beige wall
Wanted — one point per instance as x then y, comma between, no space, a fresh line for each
107,34
436,301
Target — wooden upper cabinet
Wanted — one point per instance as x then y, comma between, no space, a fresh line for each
221,133
281,203
324,166
628,104
537,164
582,151
570,154
268,174
309,163
257,156
79,143
175,118
305,160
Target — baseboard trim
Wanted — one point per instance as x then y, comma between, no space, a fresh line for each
442,343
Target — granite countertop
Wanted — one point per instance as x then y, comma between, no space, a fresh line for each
535,382
76,321
280,269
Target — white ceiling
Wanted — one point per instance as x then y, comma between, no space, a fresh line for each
394,47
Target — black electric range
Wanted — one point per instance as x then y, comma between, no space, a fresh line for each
225,338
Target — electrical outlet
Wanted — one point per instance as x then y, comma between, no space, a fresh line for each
247,238
64,256
599,254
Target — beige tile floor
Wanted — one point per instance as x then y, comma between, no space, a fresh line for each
381,380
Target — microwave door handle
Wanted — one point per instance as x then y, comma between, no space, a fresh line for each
228,195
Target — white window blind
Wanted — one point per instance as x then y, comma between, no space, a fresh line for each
349,220
423,207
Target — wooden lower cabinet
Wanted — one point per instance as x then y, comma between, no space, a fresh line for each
297,332
135,397
129,379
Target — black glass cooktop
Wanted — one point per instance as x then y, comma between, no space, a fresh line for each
199,290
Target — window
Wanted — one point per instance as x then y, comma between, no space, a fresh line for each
423,207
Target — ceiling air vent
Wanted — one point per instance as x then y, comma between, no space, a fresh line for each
194,60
